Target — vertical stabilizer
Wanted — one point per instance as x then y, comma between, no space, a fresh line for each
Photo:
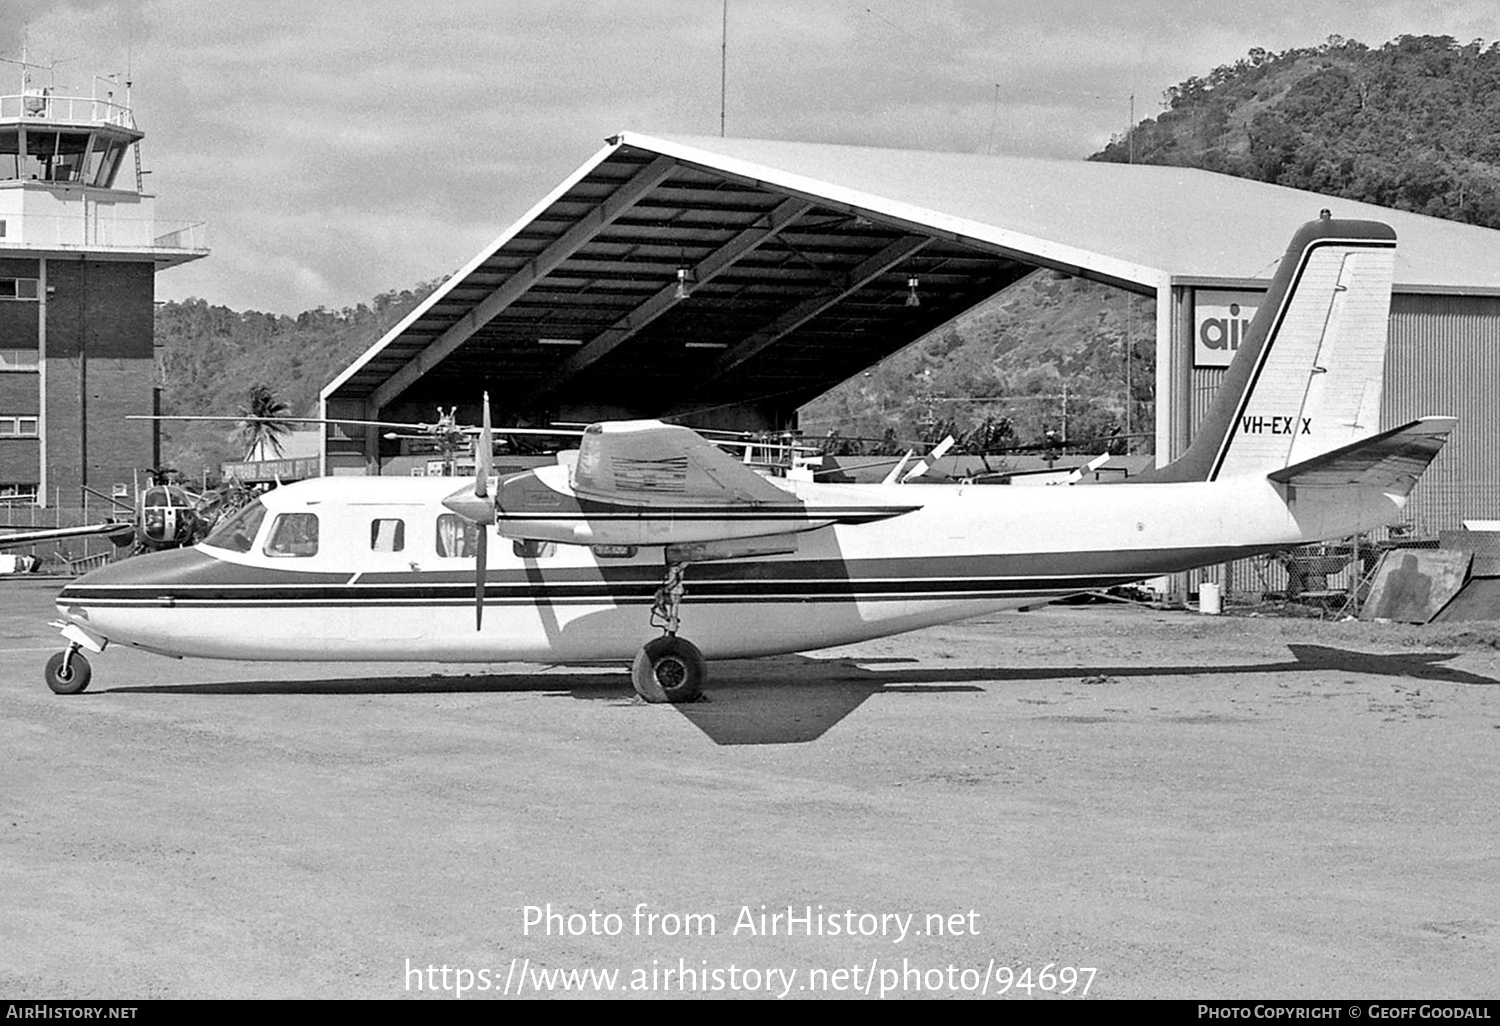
1307,379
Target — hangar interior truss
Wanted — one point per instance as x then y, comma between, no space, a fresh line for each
724,282
649,285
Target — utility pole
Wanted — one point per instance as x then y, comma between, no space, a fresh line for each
1065,417
723,64
1129,360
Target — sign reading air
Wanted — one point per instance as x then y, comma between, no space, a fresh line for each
1221,320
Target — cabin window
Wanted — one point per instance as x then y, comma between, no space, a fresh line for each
456,536
237,533
294,534
387,535
530,548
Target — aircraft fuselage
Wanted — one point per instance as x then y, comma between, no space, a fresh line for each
373,590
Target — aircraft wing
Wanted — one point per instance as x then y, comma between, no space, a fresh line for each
1392,459
649,483
19,538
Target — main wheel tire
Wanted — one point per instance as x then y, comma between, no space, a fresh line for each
69,679
669,669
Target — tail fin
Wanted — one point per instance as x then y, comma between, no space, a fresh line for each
1307,378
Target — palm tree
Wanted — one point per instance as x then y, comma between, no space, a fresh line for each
263,424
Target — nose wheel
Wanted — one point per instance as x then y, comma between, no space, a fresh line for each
68,672
669,668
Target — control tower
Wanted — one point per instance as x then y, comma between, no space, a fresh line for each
80,246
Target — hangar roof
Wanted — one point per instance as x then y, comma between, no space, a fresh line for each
669,274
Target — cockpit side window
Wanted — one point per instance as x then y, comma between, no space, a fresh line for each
237,534
294,534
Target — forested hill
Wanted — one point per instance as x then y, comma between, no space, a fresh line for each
211,356
1413,124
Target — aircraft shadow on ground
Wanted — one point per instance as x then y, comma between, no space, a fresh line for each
797,699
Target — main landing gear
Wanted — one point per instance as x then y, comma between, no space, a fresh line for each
669,668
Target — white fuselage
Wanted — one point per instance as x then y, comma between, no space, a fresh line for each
965,551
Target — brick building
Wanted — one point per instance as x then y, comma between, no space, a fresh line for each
79,250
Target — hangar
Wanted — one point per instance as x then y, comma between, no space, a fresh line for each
726,282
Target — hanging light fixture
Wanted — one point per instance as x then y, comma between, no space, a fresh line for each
685,281
912,299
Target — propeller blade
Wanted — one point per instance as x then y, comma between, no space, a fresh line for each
924,465
481,561
484,463
896,470
484,457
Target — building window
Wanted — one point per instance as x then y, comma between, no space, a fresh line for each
294,534
18,288
18,427
19,360
12,494
387,535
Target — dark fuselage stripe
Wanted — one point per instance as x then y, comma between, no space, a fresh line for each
705,591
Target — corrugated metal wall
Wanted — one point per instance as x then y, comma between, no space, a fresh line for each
1444,358
1205,384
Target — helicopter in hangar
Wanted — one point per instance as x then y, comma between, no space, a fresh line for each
651,544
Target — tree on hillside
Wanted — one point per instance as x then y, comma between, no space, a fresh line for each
264,423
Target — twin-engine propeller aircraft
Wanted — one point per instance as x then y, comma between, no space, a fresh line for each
650,535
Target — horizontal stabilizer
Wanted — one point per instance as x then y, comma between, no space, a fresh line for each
1391,460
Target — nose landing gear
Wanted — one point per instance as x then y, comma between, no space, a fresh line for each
68,672
669,668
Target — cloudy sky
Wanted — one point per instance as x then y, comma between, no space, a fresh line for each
338,149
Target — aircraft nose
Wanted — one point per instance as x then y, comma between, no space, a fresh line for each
140,576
